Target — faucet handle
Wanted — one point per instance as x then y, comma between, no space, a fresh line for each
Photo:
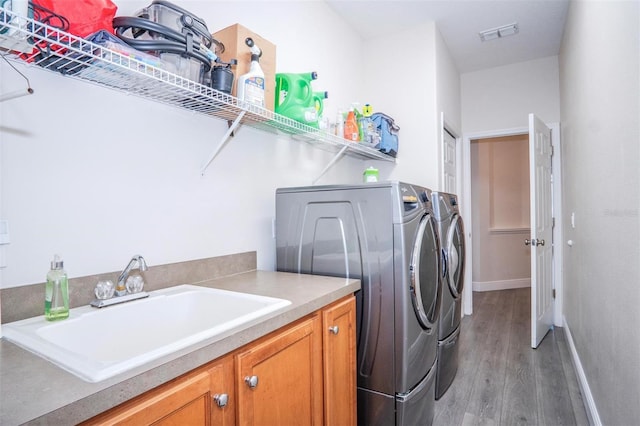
135,283
104,290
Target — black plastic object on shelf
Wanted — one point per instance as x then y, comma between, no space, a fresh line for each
222,76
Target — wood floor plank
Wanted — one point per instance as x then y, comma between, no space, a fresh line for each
485,401
519,392
554,401
501,380
575,394
450,409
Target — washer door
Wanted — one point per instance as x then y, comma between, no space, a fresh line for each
425,274
455,257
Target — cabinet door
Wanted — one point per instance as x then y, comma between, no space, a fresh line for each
203,398
186,401
340,363
279,379
222,388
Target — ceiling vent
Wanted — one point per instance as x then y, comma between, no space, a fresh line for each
494,33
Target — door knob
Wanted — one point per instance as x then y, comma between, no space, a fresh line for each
527,242
539,242
251,381
533,242
334,329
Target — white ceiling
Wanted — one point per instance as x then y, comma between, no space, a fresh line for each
541,24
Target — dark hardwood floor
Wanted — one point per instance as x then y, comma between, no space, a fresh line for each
500,379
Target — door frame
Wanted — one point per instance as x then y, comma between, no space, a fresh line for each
556,166
461,174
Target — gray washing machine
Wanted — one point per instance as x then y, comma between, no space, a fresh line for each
385,235
451,234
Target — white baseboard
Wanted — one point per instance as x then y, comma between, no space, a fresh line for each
590,405
501,285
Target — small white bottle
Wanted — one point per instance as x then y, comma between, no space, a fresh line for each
340,124
250,87
56,299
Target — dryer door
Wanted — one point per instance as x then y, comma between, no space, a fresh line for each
455,257
425,274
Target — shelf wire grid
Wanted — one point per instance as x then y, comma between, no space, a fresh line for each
76,57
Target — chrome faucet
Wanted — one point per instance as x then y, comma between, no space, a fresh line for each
142,266
105,297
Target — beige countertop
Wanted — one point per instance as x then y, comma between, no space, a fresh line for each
33,390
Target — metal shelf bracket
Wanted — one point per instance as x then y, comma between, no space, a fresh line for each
331,163
224,140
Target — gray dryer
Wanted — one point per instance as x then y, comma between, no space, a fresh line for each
385,235
451,234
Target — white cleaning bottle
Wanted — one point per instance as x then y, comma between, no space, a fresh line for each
251,85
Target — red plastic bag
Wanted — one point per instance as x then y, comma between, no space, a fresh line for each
78,17
84,16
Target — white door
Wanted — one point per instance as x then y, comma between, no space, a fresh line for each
449,163
540,151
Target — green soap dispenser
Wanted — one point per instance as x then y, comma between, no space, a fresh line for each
56,300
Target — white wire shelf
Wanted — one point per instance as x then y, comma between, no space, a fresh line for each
78,58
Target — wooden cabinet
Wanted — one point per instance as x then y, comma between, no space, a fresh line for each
279,380
339,363
188,400
302,374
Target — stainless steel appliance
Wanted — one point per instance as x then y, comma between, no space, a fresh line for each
385,235
451,233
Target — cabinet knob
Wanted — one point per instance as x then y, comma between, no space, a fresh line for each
221,399
334,329
251,381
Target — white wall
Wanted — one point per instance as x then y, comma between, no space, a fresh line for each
98,176
502,97
412,77
400,70
448,99
448,107
497,101
600,69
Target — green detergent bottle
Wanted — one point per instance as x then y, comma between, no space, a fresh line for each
318,102
295,98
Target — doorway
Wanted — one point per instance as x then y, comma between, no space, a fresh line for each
467,211
500,205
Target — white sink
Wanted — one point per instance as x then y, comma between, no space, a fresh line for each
96,344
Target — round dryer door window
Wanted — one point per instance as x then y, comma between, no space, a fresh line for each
425,273
455,256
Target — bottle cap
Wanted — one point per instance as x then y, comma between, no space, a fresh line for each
57,263
370,175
